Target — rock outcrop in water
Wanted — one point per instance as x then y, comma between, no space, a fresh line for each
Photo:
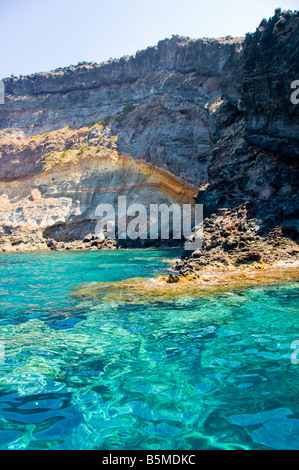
211,117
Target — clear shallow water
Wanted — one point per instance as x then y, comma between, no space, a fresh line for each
210,372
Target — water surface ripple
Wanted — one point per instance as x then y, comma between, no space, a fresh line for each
212,372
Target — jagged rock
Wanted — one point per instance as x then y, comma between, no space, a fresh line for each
245,247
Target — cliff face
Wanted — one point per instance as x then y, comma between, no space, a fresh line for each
251,198
82,135
68,173
154,101
205,116
254,154
270,64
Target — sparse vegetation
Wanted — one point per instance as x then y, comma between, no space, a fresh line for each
106,121
81,150
129,107
118,119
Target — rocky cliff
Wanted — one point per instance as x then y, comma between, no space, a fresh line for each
83,135
154,101
211,117
270,64
251,197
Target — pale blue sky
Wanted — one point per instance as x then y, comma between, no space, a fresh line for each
41,35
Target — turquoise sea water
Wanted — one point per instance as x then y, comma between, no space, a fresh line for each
211,372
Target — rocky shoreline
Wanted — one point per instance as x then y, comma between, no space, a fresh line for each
23,241
232,242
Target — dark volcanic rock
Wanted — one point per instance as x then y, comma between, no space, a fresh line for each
255,148
241,245
206,57
270,64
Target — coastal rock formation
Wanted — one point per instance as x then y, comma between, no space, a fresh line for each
80,136
154,101
65,176
251,198
205,117
232,240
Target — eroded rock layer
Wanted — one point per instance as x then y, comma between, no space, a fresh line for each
66,176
